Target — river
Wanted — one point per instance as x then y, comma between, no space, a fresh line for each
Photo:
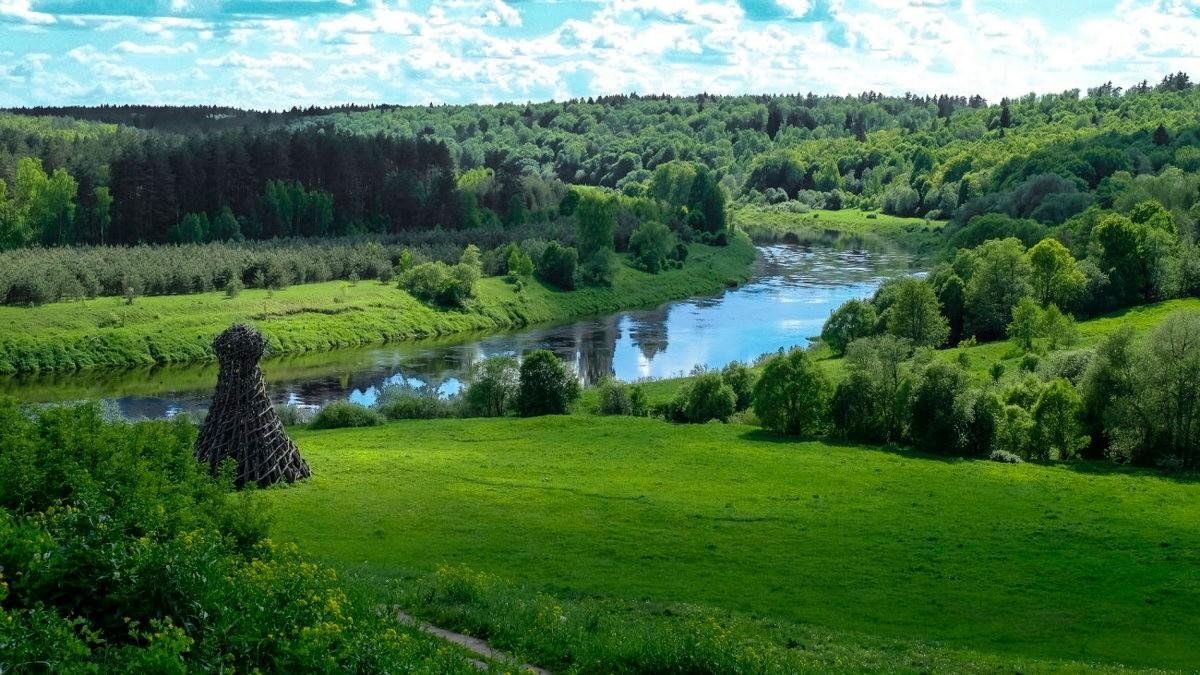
793,291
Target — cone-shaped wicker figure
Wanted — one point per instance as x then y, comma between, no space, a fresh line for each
241,423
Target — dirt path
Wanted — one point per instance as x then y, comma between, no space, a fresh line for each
474,645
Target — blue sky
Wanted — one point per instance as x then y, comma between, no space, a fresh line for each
278,53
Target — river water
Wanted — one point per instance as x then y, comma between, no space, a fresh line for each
793,291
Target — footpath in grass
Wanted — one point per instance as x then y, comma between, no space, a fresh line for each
1080,562
106,332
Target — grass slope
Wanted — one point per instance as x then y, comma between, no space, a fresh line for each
856,226
1081,562
105,332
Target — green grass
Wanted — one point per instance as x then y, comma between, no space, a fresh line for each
105,332
1080,562
854,225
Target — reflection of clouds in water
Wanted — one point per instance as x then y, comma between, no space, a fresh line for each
778,311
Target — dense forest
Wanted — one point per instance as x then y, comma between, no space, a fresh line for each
134,172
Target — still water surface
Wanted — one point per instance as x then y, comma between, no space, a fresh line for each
794,290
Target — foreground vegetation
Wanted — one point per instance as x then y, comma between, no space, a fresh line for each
107,332
1080,561
118,553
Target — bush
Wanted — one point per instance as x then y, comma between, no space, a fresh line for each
705,398
404,402
441,284
344,414
293,415
1069,366
1005,457
792,395
121,554
495,384
741,380
652,246
547,385
619,398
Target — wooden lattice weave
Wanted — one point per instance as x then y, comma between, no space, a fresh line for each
241,424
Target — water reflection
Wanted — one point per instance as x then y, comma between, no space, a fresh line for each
794,290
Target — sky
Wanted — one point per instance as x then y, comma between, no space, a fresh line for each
274,54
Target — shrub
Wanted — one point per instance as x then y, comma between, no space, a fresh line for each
652,246
741,380
292,415
121,554
1069,366
404,402
619,398
792,395
495,384
1004,457
547,385
344,414
233,287
705,398
441,284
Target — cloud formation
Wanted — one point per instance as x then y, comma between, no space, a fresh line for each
279,53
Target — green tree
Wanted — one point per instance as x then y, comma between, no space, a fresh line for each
102,212
792,395
1054,275
914,314
828,177
937,423
741,380
519,264
1058,328
596,217
708,199
707,397
1026,324
1057,433
495,384
557,265
853,320
999,278
1130,254
871,402
651,246
547,385
14,231
226,226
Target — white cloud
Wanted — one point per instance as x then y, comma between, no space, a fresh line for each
127,47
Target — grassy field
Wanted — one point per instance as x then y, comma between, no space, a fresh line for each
105,332
915,234
1080,562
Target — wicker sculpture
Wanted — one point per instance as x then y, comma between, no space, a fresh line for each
241,424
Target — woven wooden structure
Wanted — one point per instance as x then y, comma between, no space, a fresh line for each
241,424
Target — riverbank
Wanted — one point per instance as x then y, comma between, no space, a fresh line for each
107,333
893,546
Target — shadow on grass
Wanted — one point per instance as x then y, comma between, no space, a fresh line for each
1083,466
764,436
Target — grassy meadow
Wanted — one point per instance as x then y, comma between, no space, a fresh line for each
1081,562
106,332
768,224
